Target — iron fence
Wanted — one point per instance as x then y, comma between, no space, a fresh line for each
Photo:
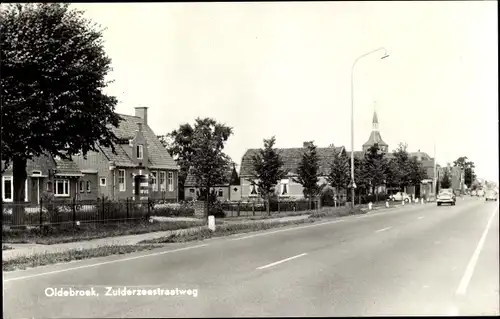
73,212
240,209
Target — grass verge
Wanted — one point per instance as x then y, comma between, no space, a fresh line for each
70,255
49,235
336,212
224,230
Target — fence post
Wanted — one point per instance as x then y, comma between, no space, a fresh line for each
126,204
253,208
102,214
238,209
41,214
73,206
149,210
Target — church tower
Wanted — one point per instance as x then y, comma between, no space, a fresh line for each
375,137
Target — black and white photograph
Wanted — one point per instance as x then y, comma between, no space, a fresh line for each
249,159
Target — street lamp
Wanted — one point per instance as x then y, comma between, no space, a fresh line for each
352,184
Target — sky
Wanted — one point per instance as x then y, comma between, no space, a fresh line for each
283,69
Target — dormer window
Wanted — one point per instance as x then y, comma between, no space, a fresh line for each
140,151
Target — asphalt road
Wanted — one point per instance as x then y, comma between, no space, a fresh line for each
419,260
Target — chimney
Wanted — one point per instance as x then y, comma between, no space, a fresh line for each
142,112
306,144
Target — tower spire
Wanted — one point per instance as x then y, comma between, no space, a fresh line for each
375,118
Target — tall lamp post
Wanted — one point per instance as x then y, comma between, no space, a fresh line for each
352,184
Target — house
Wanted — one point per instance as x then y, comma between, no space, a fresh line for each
287,188
45,175
227,191
427,186
456,175
141,167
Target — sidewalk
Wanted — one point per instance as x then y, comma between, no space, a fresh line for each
31,249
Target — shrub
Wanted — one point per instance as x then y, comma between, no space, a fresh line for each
217,210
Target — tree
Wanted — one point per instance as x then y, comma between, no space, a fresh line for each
267,167
446,182
400,167
53,75
392,173
468,168
179,145
416,172
209,164
375,167
339,176
360,174
308,173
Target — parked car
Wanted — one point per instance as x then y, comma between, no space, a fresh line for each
473,193
480,193
446,196
400,196
491,195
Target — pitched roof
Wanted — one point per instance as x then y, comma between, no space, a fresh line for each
158,156
419,154
67,167
291,158
191,179
375,138
62,166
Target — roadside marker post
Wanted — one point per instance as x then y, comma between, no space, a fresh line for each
370,205
386,203
403,203
211,222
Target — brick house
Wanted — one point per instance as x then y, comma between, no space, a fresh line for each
229,191
456,175
45,175
141,167
287,188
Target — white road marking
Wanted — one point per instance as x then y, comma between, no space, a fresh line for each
421,217
383,229
281,261
462,288
288,229
104,263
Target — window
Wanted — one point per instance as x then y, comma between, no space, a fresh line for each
103,181
140,152
61,188
284,187
82,186
170,181
88,186
8,189
221,193
121,180
191,190
154,181
163,182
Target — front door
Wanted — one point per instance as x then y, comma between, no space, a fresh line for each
137,185
35,190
